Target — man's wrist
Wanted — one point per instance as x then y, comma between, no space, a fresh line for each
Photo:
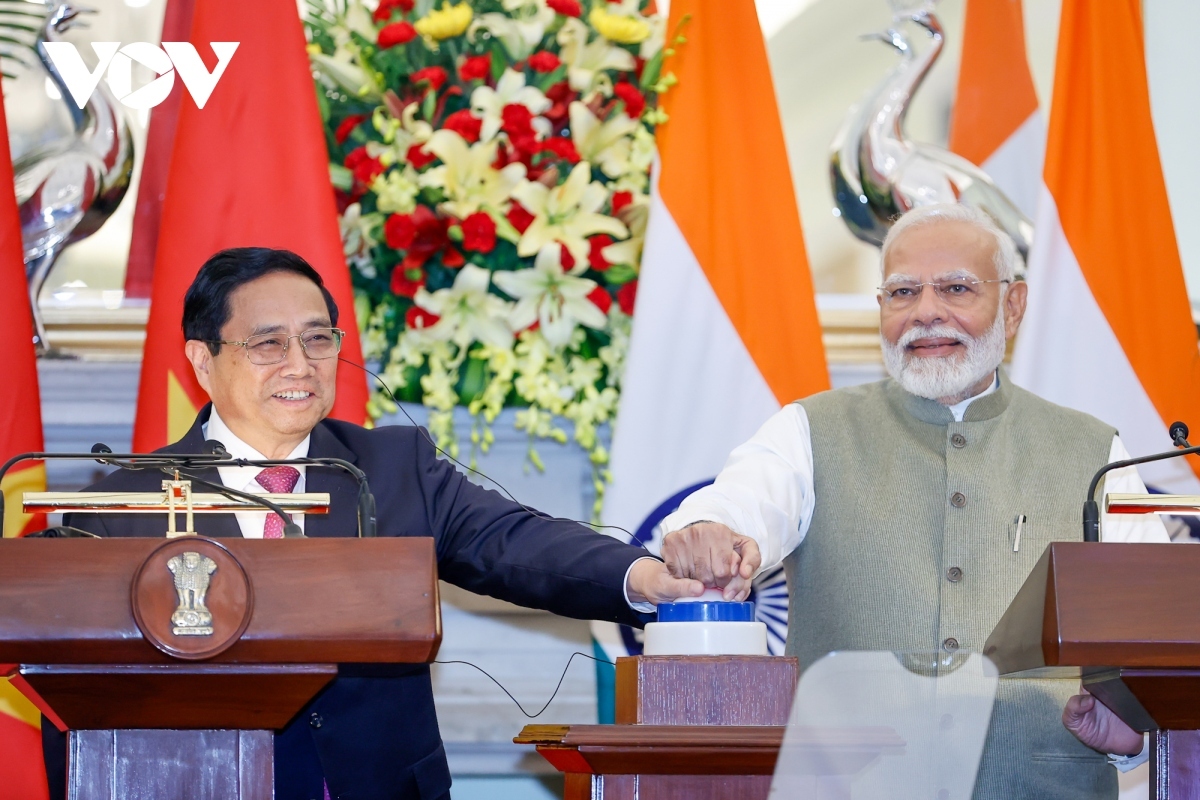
635,599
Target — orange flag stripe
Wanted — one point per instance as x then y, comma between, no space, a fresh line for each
1103,168
726,181
995,92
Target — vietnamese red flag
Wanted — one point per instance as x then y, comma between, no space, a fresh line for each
22,776
248,169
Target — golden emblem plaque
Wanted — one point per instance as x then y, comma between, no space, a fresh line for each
192,573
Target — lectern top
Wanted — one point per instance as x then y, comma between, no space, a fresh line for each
307,601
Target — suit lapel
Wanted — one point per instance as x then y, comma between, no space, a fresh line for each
342,519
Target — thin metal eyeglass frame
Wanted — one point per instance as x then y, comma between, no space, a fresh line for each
339,334
887,296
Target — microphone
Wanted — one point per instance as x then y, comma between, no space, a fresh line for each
1091,509
216,448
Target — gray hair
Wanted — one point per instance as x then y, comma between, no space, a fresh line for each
1007,259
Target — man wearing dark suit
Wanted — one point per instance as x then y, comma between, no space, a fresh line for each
261,335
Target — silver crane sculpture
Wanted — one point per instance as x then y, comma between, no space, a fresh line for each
878,173
67,188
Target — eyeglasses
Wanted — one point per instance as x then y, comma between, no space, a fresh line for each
271,348
959,292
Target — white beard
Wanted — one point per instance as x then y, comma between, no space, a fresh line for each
949,377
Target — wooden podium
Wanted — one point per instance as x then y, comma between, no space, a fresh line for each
1124,618
702,728
172,661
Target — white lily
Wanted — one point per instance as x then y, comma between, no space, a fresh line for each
488,103
396,190
568,213
521,30
586,61
605,143
468,312
629,251
341,71
467,176
557,300
357,238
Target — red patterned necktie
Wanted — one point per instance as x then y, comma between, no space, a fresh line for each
276,480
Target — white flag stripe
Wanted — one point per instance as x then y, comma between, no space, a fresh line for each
1016,165
690,392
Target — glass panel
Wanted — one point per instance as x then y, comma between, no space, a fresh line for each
887,726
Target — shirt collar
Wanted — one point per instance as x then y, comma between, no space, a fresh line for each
241,477
960,409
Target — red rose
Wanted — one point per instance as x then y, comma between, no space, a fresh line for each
423,235
635,103
365,168
519,217
385,8
626,295
479,233
561,147
403,285
560,97
565,258
595,256
464,124
396,33
399,231
601,298
620,200
544,61
568,8
418,157
476,68
435,76
419,318
347,126
516,120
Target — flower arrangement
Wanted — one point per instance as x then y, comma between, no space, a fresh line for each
491,160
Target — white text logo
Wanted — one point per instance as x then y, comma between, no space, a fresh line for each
179,57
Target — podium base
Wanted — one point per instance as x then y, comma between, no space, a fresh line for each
170,765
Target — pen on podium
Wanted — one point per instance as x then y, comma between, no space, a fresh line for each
1017,538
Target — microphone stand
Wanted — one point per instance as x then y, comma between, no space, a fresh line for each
1091,509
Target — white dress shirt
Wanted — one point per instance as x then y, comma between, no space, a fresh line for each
766,492
245,478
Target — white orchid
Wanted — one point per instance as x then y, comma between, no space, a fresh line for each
488,103
521,30
467,176
396,190
467,311
607,143
586,61
557,300
568,213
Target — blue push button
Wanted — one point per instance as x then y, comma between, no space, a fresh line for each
706,612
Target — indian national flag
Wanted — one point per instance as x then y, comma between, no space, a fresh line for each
996,123
725,326
1109,328
249,169
22,776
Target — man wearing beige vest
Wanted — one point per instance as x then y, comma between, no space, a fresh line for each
894,505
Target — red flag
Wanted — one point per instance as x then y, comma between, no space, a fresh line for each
21,772
249,169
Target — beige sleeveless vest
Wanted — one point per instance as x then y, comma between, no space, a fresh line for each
911,548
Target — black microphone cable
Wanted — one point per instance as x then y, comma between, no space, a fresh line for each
554,694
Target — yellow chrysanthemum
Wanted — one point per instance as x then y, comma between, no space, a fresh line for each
448,22
618,28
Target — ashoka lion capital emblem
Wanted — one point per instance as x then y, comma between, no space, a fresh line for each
192,573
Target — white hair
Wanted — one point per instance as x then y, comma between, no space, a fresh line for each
1006,257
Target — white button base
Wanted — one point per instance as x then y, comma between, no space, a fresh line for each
705,639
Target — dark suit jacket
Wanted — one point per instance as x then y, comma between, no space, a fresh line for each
372,733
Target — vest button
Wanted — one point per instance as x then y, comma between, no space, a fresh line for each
315,720
954,574
958,440
958,499
951,645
